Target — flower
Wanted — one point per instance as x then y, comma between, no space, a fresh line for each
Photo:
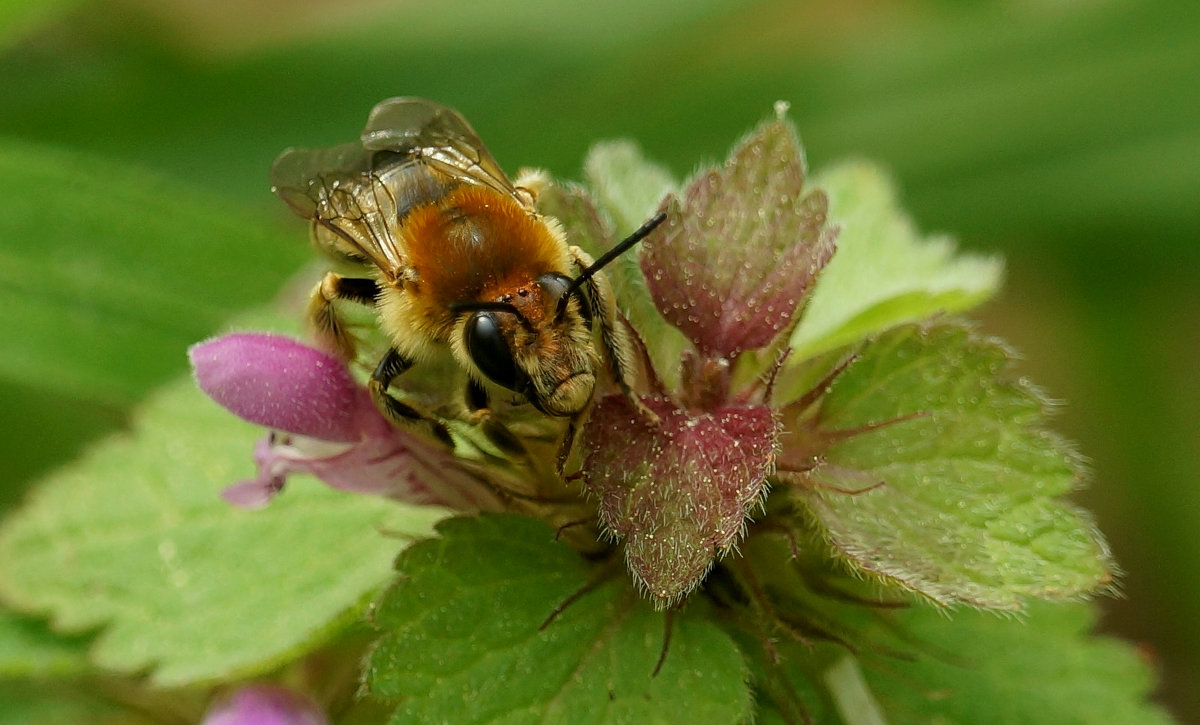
265,705
324,423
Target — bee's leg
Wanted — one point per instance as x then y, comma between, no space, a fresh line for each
567,444
389,368
477,397
618,347
323,315
481,414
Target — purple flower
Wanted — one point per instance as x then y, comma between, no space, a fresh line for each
265,705
324,423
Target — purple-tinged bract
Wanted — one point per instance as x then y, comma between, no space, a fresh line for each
677,492
737,255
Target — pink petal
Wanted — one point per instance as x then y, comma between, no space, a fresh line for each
265,705
328,427
391,463
257,492
252,493
279,383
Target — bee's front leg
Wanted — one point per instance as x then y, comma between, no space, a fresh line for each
477,399
618,347
480,412
397,411
567,444
327,324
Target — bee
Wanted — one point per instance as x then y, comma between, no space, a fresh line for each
453,256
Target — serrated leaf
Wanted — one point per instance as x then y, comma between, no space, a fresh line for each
107,272
920,666
465,616
135,540
739,252
958,486
976,667
884,272
676,493
921,663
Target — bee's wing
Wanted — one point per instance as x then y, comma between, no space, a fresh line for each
339,190
436,135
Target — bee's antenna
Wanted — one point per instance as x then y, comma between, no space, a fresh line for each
457,307
641,233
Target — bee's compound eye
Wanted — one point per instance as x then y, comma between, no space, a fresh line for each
554,284
488,348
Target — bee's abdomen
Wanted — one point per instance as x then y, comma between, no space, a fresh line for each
412,182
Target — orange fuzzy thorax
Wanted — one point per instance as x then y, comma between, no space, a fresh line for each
476,244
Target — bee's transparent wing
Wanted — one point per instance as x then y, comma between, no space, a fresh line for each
340,192
436,135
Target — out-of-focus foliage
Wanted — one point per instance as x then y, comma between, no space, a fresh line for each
1062,135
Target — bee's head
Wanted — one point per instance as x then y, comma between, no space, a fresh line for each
524,343
537,339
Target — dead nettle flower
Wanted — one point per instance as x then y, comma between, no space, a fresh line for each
730,268
324,423
265,705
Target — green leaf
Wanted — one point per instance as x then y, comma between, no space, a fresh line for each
108,273
977,667
950,485
134,539
921,664
465,616
884,273
626,185
972,667
29,649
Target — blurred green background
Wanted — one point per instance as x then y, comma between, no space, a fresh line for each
1062,134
